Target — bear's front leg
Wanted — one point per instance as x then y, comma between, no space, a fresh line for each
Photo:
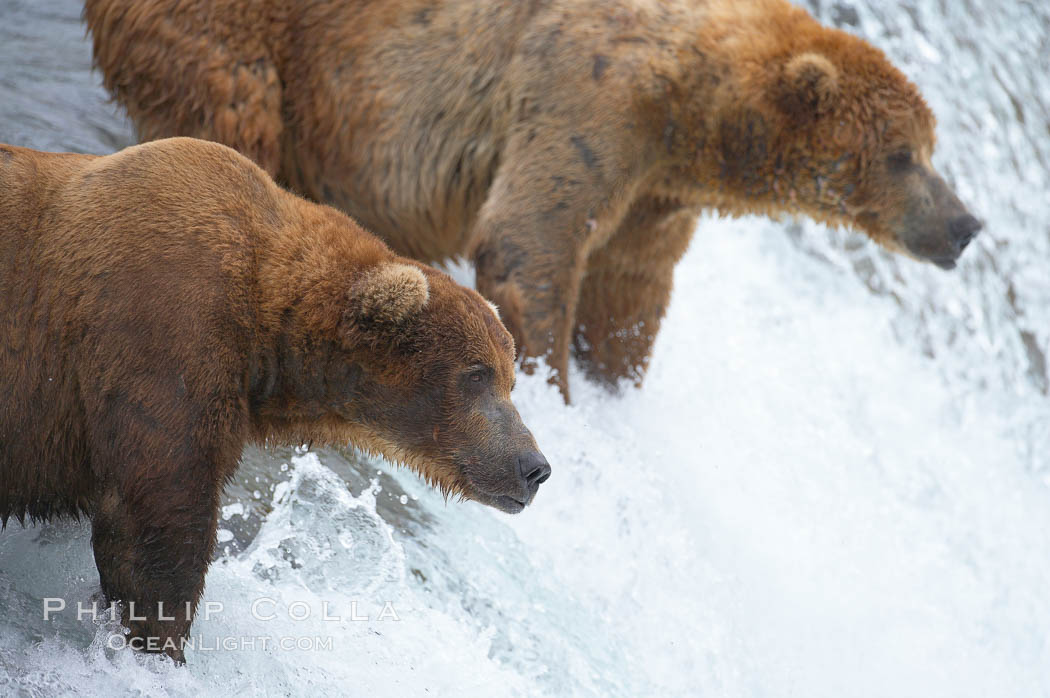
153,532
551,201
626,290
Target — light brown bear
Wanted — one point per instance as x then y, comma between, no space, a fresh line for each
567,146
165,305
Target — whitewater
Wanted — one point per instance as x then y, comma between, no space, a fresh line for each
834,482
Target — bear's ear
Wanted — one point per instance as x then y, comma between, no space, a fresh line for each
809,86
389,294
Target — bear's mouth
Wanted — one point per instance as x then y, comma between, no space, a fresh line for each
503,502
509,504
941,258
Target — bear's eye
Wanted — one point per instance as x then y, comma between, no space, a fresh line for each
478,375
900,160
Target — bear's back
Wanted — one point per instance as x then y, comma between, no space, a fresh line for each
186,191
141,202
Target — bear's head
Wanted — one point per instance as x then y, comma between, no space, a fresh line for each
429,369
835,131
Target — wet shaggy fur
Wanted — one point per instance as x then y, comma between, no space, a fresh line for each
165,305
566,146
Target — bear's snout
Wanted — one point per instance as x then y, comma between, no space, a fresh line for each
533,470
963,229
934,225
518,487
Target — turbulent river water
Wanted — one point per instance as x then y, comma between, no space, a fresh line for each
835,482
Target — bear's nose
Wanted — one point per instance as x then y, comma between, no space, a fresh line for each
963,229
533,469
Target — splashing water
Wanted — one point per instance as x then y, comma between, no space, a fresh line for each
834,482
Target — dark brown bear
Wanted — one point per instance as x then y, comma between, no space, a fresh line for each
567,146
163,306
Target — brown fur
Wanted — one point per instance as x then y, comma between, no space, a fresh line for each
566,145
164,305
